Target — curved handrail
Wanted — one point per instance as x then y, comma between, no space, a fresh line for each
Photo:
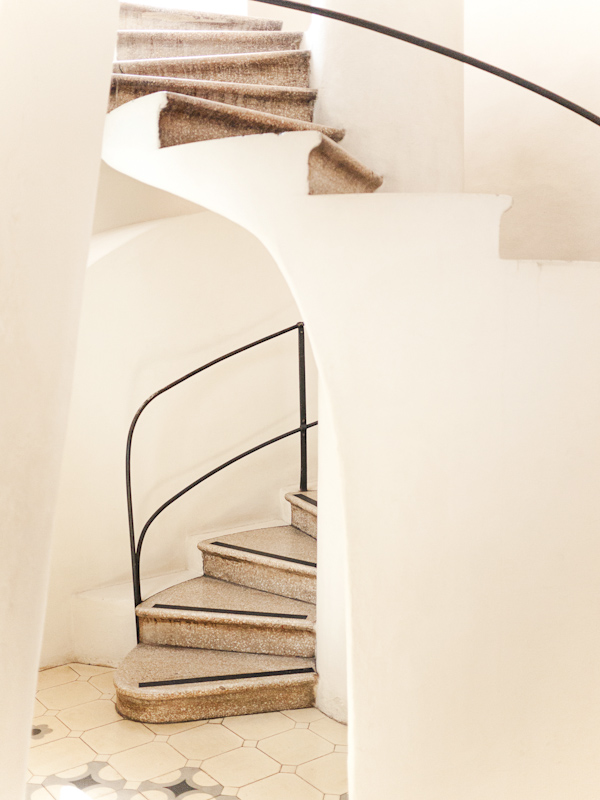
136,547
440,49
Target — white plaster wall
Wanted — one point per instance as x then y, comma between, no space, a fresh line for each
176,295
214,6
402,106
464,393
547,158
332,574
49,156
292,20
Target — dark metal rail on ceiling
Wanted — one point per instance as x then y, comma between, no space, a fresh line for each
136,543
437,48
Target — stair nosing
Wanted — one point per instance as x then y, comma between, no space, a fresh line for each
226,618
293,125
249,88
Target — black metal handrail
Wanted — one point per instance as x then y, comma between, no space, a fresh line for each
136,546
437,48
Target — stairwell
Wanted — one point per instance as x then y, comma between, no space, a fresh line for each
241,638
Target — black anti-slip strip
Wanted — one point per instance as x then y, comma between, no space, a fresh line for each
230,611
241,676
269,555
307,499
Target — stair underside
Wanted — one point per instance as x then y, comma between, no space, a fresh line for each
133,16
286,68
284,101
280,560
191,119
227,695
205,612
178,44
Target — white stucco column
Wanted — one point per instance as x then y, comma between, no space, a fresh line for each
55,59
402,106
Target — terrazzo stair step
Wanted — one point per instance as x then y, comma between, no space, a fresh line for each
177,684
304,511
281,560
186,119
134,16
213,614
332,170
178,44
285,68
281,100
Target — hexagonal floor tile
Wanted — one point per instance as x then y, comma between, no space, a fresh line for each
278,787
103,682
147,761
89,715
295,747
47,678
328,774
47,759
117,736
205,742
68,695
329,729
46,729
259,726
240,767
304,714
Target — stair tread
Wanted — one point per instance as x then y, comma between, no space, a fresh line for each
157,663
145,16
215,599
275,546
304,500
283,68
171,44
196,119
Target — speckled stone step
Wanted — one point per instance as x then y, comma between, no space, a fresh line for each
191,119
211,684
134,16
332,170
304,511
216,615
289,68
178,44
281,560
285,101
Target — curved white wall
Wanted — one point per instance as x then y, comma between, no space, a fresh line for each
50,142
178,294
544,156
402,106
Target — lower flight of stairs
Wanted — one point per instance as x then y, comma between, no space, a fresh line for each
238,640
227,76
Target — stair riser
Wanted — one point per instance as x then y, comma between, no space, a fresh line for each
149,19
242,638
263,577
226,703
295,108
290,71
182,123
331,171
305,521
142,44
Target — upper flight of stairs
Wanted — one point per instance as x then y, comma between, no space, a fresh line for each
238,640
227,76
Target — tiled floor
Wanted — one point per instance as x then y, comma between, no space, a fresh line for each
81,748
